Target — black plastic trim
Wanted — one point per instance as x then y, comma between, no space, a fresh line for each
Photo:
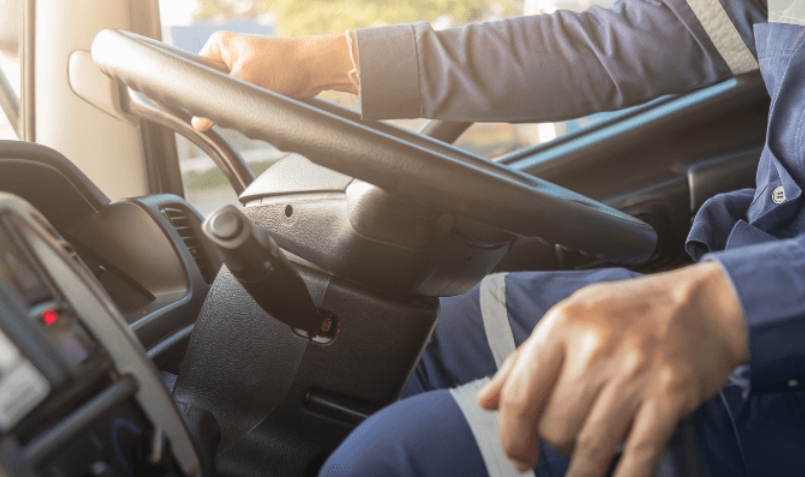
574,152
342,408
59,435
52,158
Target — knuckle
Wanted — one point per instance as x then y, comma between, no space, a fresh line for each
669,377
215,42
515,404
643,451
676,382
557,436
221,35
568,314
215,38
554,318
636,362
595,342
570,310
592,447
583,319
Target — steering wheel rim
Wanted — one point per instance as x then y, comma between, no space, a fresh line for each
512,201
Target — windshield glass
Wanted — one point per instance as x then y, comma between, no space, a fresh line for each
188,23
294,18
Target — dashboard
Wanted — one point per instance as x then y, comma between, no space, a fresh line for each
148,253
97,297
79,394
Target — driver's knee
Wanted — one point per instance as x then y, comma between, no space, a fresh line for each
426,435
457,352
461,348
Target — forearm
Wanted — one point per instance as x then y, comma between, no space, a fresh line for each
545,67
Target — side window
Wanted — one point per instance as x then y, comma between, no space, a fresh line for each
494,140
10,74
187,24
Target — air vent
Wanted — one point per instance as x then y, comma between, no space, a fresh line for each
180,221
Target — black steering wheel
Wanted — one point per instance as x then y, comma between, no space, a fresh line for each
461,183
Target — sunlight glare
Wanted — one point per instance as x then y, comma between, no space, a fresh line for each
177,12
547,132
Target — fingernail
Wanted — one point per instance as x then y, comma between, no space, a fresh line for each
201,124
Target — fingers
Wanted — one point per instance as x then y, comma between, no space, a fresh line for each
653,427
523,398
604,429
489,396
213,50
574,394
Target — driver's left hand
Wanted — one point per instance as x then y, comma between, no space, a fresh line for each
619,360
300,67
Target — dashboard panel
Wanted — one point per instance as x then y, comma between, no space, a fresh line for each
148,253
80,396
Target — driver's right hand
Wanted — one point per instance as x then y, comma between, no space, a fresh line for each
299,67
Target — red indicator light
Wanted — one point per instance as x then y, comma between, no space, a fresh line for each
49,317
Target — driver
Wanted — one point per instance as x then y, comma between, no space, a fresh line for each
528,368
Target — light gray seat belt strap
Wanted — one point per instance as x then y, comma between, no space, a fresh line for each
724,35
484,426
496,317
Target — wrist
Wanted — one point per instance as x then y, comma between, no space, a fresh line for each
326,59
716,299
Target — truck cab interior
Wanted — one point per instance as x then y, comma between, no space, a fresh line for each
143,340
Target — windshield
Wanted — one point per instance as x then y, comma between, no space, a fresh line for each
188,23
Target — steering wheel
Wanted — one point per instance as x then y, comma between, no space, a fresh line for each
460,183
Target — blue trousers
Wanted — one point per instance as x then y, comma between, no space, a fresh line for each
433,430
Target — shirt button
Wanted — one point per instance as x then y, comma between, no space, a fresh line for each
778,196
792,383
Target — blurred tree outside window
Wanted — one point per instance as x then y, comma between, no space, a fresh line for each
311,17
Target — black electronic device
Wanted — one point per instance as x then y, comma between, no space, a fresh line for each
78,396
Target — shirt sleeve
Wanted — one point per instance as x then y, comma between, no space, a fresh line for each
769,279
553,67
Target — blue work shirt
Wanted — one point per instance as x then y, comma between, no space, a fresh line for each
565,65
